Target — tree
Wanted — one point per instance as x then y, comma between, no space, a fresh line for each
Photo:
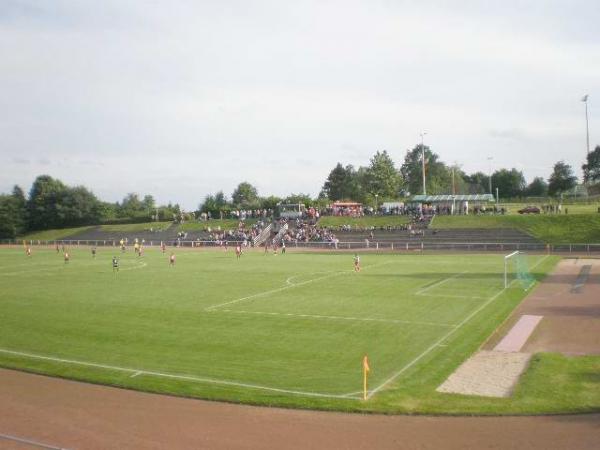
131,206
245,195
269,202
20,208
382,178
214,204
12,213
477,183
78,206
562,179
537,188
44,200
438,176
510,183
298,198
591,169
341,184
148,203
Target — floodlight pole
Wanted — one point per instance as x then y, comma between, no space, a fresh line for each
423,162
587,124
490,177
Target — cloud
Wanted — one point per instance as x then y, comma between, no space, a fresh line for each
216,92
512,133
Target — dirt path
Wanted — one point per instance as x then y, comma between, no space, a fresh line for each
69,414
569,301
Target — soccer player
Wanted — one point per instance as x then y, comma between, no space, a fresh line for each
57,249
115,264
140,251
94,252
238,251
28,251
67,257
163,247
172,259
282,248
356,262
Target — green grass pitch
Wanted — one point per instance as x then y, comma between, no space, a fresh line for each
287,330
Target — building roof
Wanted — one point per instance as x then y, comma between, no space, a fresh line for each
449,198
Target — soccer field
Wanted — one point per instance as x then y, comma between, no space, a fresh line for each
270,329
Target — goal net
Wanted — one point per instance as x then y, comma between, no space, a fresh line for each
516,270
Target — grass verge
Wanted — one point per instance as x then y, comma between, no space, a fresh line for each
552,229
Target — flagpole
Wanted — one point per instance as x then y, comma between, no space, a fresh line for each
364,384
366,369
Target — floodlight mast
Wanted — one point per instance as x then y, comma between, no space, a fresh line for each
587,124
423,162
490,177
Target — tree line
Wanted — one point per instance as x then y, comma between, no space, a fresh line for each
381,180
52,204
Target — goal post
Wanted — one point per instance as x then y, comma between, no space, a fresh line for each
517,269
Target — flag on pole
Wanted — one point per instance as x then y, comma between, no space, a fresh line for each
366,370
585,97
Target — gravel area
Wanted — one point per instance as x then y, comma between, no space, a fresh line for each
487,373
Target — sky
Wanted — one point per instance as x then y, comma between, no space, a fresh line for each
180,99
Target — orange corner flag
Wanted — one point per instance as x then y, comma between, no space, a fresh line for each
366,370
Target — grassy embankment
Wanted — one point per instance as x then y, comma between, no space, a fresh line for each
52,235
129,227
552,229
573,208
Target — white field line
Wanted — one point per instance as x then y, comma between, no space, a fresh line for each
468,297
289,286
318,316
439,283
61,265
137,372
140,265
442,339
29,442
293,277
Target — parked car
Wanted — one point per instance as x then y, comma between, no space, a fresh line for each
529,210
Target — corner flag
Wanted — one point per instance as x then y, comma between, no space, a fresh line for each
366,370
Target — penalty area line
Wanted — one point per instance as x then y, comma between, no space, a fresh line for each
442,339
439,283
289,286
136,372
323,317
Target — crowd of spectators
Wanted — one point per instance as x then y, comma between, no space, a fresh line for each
238,214
243,233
